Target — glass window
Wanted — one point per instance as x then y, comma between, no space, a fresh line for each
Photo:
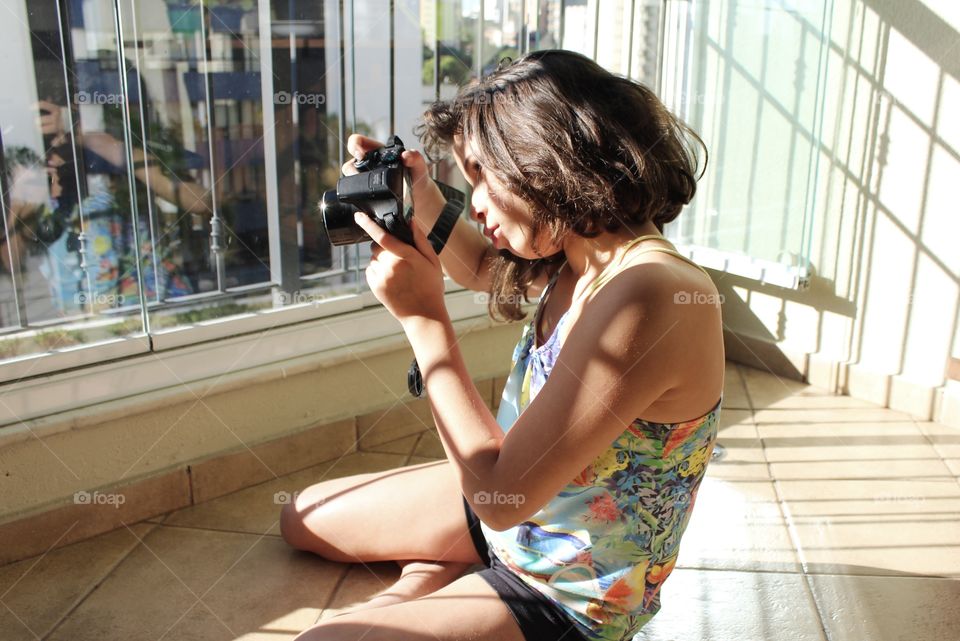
73,239
163,160
749,77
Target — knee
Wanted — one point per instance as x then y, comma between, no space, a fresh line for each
292,528
299,535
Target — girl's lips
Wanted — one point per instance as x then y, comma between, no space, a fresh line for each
491,233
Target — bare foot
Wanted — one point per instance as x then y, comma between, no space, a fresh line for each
417,579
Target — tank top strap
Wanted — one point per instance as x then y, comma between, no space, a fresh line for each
615,268
535,322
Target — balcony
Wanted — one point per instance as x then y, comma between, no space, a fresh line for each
153,422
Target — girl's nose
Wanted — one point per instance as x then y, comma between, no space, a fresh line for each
478,204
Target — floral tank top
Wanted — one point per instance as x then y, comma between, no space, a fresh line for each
603,547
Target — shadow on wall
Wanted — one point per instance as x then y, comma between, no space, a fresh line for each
886,272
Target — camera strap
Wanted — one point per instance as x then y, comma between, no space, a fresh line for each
438,238
447,220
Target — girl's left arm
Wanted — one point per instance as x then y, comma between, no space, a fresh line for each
602,379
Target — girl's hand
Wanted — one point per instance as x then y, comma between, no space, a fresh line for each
51,122
427,199
407,280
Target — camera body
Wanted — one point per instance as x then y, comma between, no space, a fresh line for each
377,190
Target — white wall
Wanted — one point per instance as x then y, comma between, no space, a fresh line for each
881,316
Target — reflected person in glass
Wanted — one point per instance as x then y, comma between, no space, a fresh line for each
106,218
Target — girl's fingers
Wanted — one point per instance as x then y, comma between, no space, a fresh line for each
382,237
422,243
358,145
415,162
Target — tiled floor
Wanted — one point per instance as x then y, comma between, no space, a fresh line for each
825,518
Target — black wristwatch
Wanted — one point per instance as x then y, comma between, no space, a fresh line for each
448,217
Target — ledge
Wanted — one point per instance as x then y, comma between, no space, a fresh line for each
92,395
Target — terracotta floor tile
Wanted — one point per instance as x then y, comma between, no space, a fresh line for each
256,509
361,583
739,451
39,591
430,446
871,497
417,460
784,445
734,391
853,416
769,390
945,439
885,468
953,464
198,584
402,445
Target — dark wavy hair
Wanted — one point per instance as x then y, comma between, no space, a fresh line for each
586,149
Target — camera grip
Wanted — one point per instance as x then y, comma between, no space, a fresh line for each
397,226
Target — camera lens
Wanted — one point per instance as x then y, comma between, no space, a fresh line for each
338,220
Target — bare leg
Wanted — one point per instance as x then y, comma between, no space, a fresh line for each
417,579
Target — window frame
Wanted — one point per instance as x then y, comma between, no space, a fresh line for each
261,339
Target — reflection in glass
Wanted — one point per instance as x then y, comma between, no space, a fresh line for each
177,165
69,248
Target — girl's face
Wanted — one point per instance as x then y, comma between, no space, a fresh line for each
506,219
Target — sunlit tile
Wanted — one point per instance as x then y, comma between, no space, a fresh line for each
857,608
737,525
742,606
919,544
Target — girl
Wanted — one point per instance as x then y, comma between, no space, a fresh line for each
575,496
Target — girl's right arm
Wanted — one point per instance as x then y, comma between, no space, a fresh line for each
467,255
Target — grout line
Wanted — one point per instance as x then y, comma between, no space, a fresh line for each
943,458
96,583
213,529
190,483
406,461
839,575
334,592
787,517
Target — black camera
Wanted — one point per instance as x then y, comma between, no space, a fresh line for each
379,190
382,190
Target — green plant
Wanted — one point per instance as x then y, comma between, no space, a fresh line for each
56,338
10,347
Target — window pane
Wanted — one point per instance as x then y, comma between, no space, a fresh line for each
749,78
71,264
546,31
501,32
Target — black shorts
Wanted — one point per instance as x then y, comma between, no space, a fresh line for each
539,618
